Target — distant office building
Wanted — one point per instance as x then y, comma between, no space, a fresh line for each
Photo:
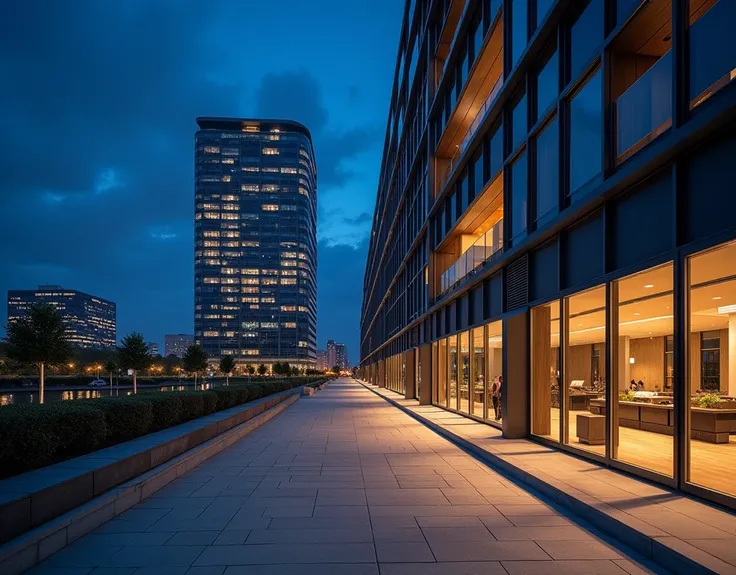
341,355
322,360
255,261
336,355
152,348
90,321
177,344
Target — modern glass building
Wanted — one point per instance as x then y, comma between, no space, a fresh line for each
553,248
90,321
255,232
177,344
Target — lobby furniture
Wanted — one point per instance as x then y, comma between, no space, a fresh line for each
591,429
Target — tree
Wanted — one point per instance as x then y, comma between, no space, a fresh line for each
295,370
38,339
133,354
249,369
111,367
195,360
336,368
262,369
227,366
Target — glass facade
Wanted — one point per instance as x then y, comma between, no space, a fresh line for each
90,322
559,216
255,241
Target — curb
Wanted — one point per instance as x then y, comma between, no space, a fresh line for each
656,549
29,549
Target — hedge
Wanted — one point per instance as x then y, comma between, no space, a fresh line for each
33,436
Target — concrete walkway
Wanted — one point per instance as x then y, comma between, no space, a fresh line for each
343,483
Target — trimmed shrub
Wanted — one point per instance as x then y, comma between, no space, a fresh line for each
226,397
166,408
126,419
79,425
209,402
243,394
192,405
255,391
25,443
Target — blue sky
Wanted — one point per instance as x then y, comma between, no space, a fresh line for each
99,103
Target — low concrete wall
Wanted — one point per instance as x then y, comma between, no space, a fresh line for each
33,498
31,548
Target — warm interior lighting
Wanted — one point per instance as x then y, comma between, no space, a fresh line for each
632,361
717,297
727,309
649,286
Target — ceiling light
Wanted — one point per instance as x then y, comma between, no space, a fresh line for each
636,313
717,297
648,286
727,309
632,361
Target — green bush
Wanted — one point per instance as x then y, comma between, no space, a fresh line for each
33,436
226,397
166,407
79,425
192,404
209,402
255,391
126,419
25,443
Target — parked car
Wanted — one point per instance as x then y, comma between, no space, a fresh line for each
97,383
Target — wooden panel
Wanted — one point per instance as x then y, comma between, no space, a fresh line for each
694,362
579,363
724,361
648,365
488,69
541,378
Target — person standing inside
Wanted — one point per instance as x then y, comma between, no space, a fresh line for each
496,397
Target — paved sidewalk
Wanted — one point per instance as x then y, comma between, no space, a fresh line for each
342,483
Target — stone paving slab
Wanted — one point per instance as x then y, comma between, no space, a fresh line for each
686,534
344,483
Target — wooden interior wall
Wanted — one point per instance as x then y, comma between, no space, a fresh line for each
648,366
579,363
724,360
541,362
694,361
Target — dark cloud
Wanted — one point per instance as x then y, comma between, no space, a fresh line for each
99,100
297,96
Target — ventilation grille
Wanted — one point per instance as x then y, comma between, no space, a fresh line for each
517,284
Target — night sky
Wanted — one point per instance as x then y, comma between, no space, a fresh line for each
97,117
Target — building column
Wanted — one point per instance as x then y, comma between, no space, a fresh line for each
381,373
515,390
425,391
624,362
731,392
410,376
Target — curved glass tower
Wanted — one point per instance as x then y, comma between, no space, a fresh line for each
255,233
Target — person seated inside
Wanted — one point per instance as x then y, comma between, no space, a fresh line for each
633,386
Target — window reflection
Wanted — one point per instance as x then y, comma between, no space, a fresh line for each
464,373
494,371
644,413
585,370
547,188
586,35
547,84
478,371
518,197
712,375
452,371
586,137
545,370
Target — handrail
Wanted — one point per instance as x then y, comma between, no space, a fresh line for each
479,117
484,248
